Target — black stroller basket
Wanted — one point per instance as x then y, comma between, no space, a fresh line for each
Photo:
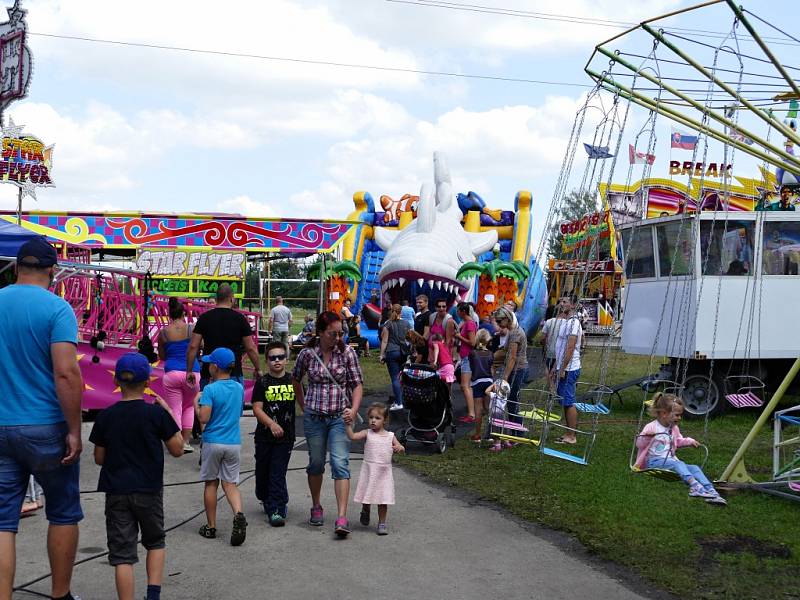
427,400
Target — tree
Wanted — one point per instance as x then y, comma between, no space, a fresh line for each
575,205
251,282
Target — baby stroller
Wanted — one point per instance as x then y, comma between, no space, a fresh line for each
430,411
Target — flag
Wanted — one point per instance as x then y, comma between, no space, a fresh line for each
605,316
640,157
793,106
738,136
597,151
683,140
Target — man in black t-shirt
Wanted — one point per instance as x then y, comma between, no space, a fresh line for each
422,320
222,327
273,406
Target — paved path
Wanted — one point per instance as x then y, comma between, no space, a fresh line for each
441,545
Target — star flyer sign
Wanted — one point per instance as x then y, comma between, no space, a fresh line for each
25,162
581,231
15,57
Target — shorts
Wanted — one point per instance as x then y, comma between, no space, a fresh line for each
566,388
126,515
465,368
447,373
37,450
479,389
220,461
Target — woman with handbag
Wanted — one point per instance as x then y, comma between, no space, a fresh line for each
332,398
395,349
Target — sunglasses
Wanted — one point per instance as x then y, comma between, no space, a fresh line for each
441,307
275,357
339,334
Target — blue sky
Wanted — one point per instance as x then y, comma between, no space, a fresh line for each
143,129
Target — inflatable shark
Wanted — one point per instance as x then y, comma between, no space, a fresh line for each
431,249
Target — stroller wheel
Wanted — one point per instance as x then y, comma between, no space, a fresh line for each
451,440
441,443
402,437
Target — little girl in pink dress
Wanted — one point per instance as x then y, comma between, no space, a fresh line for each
375,482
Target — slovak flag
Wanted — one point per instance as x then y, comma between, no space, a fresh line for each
637,157
683,140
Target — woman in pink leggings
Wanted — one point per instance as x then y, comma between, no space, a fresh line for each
173,341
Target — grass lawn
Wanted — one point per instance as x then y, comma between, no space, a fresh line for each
749,549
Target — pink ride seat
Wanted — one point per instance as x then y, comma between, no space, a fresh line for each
508,425
748,400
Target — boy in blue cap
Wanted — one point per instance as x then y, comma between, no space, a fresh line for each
127,438
220,407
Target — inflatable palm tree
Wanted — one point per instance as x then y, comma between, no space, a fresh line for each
498,281
336,276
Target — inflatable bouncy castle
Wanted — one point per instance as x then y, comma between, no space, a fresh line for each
418,245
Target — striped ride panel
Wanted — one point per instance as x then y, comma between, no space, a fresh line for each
748,400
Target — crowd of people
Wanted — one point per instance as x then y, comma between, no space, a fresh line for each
40,426
40,418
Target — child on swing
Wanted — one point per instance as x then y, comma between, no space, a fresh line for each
659,440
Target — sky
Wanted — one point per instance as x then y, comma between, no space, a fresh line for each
144,129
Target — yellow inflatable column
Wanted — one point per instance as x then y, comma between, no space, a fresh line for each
472,223
405,219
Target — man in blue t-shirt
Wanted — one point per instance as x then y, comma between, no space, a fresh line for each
40,412
220,408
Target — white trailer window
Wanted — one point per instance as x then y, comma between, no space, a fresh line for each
637,244
674,242
727,247
781,247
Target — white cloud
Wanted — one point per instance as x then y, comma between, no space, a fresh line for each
247,206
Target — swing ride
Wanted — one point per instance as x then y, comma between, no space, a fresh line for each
710,257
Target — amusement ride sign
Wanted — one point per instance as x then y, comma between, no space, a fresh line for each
581,231
192,273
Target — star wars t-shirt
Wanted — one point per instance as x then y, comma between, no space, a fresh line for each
277,394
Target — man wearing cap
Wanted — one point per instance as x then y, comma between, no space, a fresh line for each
40,413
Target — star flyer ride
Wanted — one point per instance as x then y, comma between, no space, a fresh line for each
443,245
120,310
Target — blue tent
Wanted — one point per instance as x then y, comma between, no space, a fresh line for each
12,237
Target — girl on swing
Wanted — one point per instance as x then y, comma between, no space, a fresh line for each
659,440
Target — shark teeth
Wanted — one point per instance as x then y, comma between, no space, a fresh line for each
430,283
402,281
420,282
438,285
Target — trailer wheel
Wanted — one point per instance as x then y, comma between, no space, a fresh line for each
702,395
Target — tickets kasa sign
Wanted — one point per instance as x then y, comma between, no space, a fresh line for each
192,273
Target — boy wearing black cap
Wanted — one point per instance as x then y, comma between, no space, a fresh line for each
127,438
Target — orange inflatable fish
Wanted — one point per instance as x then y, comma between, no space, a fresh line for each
393,208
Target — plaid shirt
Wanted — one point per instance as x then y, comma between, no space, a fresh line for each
322,395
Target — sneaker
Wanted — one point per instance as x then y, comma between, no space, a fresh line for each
239,530
717,500
283,511
342,529
317,519
382,529
699,492
364,518
497,447
208,532
475,438
508,444
276,519
466,419
395,407
187,448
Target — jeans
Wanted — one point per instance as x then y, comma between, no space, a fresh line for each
37,450
272,461
326,433
686,472
394,363
518,379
